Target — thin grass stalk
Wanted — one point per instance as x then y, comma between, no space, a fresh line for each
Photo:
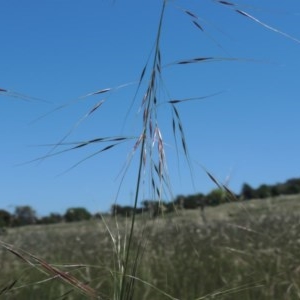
124,290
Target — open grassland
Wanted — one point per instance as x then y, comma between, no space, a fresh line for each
248,250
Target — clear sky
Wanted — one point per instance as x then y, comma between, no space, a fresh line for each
55,51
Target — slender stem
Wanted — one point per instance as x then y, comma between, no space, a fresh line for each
143,146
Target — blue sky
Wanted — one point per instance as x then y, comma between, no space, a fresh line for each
54,52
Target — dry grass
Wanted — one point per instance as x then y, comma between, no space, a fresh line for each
231,257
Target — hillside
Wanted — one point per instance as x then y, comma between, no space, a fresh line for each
246,250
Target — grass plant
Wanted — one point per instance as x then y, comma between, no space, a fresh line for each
175,257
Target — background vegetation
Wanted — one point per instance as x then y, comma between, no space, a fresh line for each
26,215
245,250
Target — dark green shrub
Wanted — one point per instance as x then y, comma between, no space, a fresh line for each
77,214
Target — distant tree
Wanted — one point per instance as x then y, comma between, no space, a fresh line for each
263,191
247,192
274,190
291,190
99,215
292,186
125,211
293,181
53,218
170,207
200,199
215,197
154,207
179,202
151,207
5,218
77,214
191,202
115,209
24,215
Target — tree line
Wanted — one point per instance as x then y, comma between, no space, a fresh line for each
213,198
26,215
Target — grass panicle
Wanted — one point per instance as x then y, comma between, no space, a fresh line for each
52,271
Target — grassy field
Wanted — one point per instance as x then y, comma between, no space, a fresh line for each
248,250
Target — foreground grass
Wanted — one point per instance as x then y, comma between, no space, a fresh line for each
244,251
